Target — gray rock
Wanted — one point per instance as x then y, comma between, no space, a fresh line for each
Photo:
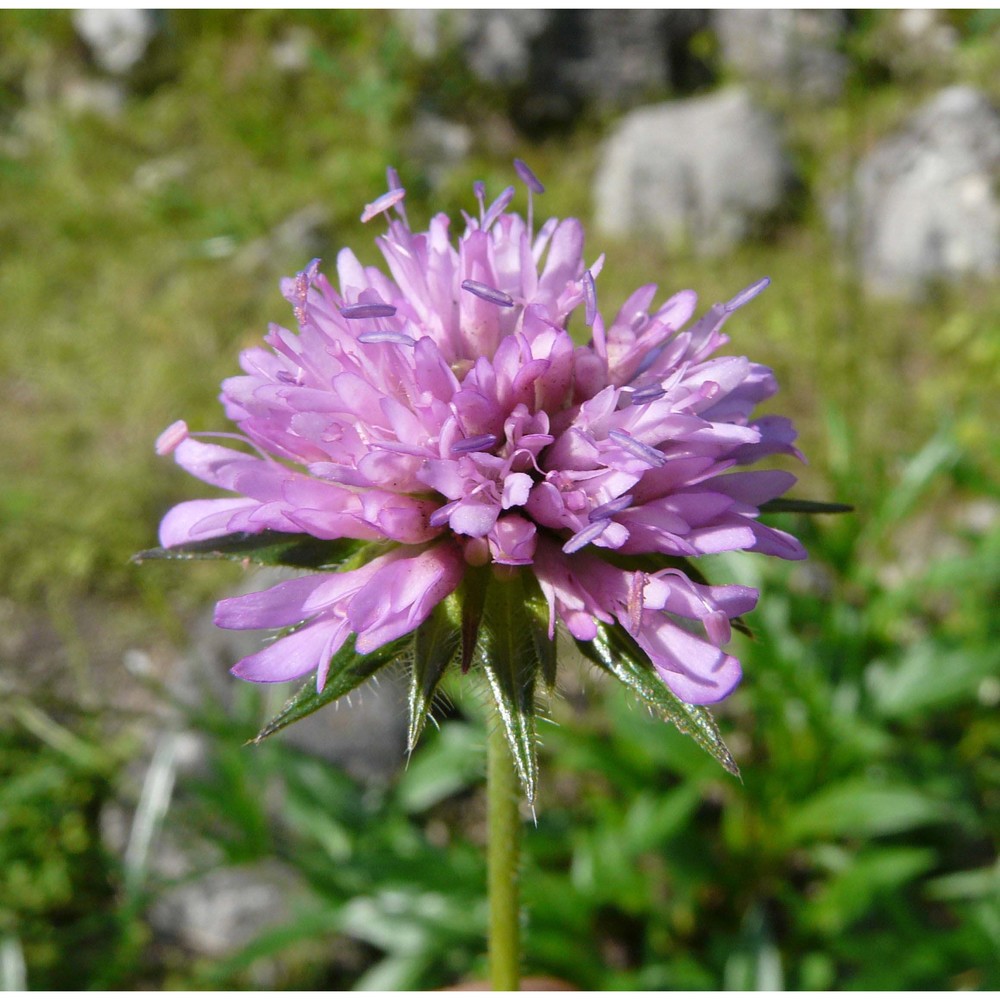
438,145
924,204
118,38
791,52
103,98
223,910
916,45
553,63
498,43
702,173
303,235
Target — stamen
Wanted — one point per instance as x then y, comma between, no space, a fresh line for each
441,515
394,184
382,204
479,190
647,394
495,210
589,299
527,175
634,607
748,293
368,310
641,451
586,536
288,378
305,278
482,442
171,437
386,337
493,295
610,508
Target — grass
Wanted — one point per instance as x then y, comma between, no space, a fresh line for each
141,251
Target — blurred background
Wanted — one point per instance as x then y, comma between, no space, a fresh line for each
161,171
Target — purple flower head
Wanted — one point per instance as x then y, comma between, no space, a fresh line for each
439,410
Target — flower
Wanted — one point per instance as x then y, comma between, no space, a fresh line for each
441,412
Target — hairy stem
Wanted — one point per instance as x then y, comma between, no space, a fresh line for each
503,860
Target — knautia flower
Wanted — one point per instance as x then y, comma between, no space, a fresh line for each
465,480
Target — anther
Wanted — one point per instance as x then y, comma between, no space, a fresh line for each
637,449
527,175
386,337
610,508
586,536
481,442
368,310
382,204
748,293
589,299
493,295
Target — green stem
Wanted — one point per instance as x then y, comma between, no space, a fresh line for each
503,858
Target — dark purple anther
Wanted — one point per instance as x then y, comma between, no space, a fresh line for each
368,310
586,536
641,451
610,508
647,394
527,175
481,442
493,295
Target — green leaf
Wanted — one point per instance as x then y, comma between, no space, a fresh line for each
860,808
435,647
789,505
472,594
448,763
538,621
866,878
348,669
929,678
614,650
266,548
507,651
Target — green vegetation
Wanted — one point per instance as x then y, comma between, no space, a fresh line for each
140,251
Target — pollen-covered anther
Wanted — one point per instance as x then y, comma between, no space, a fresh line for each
171,437
493,295
383,204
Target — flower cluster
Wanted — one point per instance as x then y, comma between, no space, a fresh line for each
442,412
